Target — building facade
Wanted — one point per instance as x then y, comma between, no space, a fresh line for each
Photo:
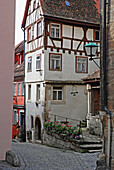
7,18
18,95
55,60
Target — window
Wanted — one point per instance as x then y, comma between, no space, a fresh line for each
15,116
55,30
14,89
34,5
22,88
29,63
37,92
55,62
38,62
29,92
32,32
19,88
32,124
81,64
57,93
39,29
97,35
29,11
29,34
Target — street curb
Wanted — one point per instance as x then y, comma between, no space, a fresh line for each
12,158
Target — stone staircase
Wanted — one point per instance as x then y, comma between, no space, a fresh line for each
90,143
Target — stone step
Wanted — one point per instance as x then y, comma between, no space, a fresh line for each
93,151
91,146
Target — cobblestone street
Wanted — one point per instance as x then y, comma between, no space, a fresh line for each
40,157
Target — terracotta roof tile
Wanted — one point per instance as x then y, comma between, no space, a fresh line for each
79,10
93,75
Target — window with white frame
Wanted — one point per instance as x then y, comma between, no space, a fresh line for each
29,34
19,88
32,31
29,92
55,30
14,89
55,62
29,64
57,93
16,116
39,28
81,64
37,92
38,62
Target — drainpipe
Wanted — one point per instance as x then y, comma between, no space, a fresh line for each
105,53
24,140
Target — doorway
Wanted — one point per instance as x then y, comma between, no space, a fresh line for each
37,129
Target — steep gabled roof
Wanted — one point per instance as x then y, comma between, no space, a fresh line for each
19,47
79,10
92,76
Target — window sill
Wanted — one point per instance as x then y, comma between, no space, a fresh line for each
28,101
82,72
58,102
28,71
54,70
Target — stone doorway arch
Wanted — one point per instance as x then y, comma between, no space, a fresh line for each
37,129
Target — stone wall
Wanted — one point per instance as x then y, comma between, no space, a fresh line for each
54,140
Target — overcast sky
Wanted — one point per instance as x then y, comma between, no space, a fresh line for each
20,7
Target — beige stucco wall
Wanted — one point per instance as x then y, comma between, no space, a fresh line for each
6,73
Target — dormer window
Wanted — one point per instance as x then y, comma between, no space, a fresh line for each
55,30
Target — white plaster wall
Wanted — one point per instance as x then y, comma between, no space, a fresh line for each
34,75
31,108
7,14
75,107
89,34
68,68
67,31
78,32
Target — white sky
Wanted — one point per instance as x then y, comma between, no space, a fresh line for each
20,8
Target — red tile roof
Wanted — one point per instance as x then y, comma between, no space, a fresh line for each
19,69
79,10
92,76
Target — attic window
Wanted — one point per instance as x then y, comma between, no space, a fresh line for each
67,3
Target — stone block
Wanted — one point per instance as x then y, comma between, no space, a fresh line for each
12,158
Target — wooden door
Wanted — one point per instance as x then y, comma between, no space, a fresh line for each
96,100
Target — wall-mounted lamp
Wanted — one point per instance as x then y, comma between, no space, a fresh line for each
91,50
74,90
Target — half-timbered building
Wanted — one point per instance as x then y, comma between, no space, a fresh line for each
55,59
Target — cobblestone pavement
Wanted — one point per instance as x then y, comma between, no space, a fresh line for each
41,157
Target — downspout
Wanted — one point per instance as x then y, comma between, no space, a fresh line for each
105,54
24,140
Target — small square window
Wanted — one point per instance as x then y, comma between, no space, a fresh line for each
29,34
81,64
55,62
32,122
97,35
29,92
38,92
39,29
55,30
29,64
38,62
57,93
